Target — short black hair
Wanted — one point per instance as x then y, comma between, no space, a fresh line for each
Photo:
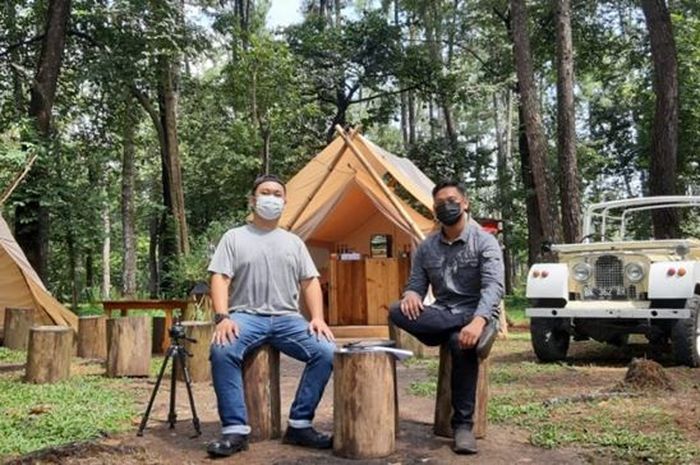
265,178
450,183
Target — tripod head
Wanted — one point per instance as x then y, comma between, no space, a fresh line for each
177,333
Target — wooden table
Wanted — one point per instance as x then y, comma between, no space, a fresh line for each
166,305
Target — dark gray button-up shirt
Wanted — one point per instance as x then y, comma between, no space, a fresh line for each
466,275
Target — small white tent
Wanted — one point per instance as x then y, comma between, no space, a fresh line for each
21,287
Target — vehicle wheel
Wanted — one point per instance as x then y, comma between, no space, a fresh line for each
685,336
549,339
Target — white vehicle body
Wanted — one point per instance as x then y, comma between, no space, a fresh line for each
606,290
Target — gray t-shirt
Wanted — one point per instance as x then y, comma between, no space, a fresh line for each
266,268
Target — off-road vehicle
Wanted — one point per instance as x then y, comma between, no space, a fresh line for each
608,287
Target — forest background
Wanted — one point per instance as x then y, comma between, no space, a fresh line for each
145,121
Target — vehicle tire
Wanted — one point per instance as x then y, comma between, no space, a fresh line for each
549,339
685,336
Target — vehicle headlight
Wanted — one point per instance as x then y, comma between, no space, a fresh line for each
582,272
634,272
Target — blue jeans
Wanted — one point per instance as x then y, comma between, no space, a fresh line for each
290,335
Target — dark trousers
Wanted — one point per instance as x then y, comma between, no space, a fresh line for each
435,326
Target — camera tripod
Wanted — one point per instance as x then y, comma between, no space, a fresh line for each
178,353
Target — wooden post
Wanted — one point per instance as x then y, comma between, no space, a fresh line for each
261,385
18,321
443,401
128,346
49,355
503,322
404,340
198,365
364,404
92,337
159,331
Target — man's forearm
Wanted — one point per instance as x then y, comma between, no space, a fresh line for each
313,296
219,292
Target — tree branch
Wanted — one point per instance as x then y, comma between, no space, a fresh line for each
22,43
146,104
386,94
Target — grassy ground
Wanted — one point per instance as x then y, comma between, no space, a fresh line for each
37,416
647,427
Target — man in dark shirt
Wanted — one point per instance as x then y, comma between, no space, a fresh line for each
464,266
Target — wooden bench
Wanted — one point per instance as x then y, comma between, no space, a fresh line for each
167,306
443,402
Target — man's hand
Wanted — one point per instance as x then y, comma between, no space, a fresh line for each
411,305
225,332
469,335
319,327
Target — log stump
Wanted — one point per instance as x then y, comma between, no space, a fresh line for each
198,365
443,402
49,355
92,337
128,346
364,404
261,385
159,331
18,322
405,340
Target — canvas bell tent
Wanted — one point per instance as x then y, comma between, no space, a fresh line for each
20,286
344,205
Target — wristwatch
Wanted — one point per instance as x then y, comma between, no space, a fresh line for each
219,317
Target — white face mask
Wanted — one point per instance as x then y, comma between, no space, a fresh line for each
269,207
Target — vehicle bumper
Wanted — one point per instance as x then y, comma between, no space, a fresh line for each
612,313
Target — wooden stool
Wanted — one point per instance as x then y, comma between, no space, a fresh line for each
198,365
364,404
49,355
261,385
92,337
405,340
443,401
18,321
128,346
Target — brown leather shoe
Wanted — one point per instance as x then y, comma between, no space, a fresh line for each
465,442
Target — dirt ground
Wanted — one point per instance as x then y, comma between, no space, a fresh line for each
415,443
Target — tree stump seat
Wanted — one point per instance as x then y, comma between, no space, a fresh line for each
365,414
261,386
92,337
49,354
443,402
18,322
128,346
198,364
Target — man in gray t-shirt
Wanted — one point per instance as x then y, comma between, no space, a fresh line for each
258,272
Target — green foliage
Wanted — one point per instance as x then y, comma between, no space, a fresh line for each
37,416
12,357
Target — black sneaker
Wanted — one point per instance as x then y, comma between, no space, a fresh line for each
465,442
227,445
307,437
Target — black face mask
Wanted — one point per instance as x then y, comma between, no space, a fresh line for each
449,213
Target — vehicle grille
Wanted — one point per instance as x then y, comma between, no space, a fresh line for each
609,284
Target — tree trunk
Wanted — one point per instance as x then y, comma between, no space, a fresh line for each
13,36
32,218
153,247
106,252
566,125
664,136
536,142
73,267
411,119
49,354
534,226
127,207
504,176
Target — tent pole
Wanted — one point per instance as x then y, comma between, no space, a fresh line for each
329,170
379,181
13,185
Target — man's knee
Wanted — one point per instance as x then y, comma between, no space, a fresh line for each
395,315
225,354
324,352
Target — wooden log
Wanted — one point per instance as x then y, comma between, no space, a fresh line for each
2,322
503,322
198,365
92,337
158,333
364,404
49,355
405,340
261,385
128,346
18,322
443,400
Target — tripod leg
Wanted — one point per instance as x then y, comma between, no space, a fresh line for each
144,419
172,416
188,383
